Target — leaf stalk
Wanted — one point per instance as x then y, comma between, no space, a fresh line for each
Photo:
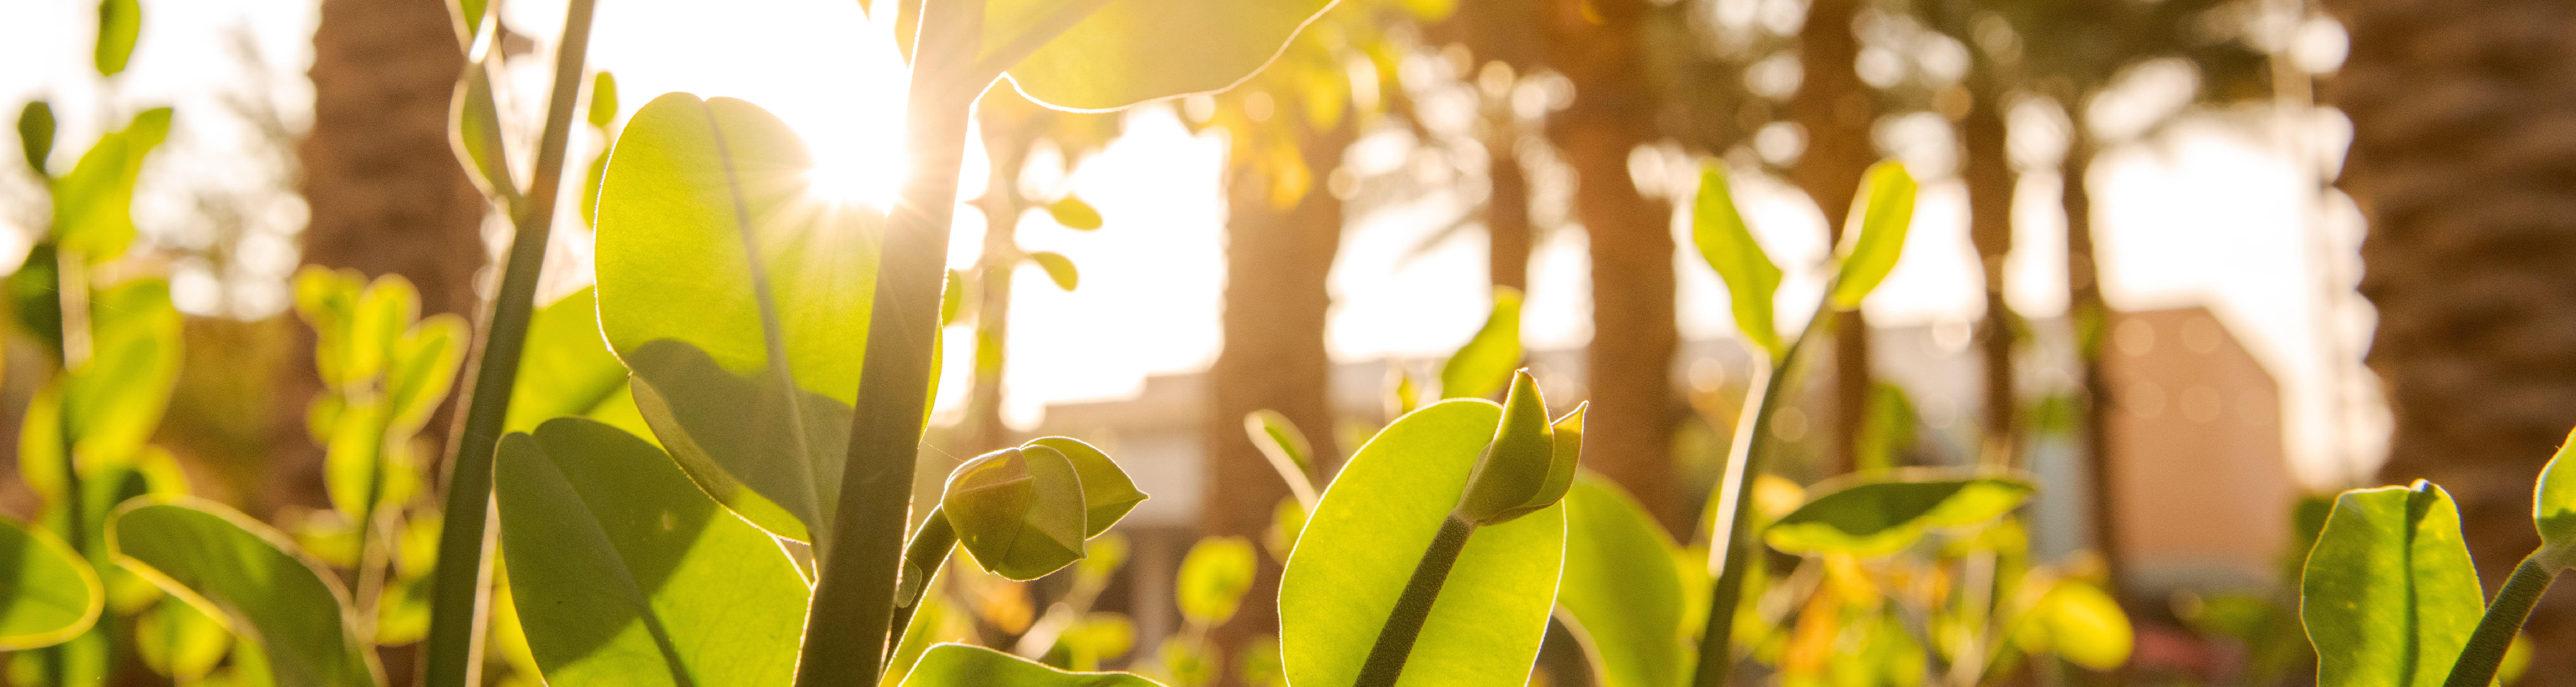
1739,548
1395,640
2504,618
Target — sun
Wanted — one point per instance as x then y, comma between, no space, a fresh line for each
852,178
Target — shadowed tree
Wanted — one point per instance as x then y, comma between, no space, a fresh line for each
1835,109
2462,164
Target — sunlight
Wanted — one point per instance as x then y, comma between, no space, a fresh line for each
844,179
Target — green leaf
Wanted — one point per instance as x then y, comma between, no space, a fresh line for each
1485,364
1884,212
1525,469
947,665
2389,596
48,594
422,368
93,205
1623,586
952,297
1878,516
1214,577
1018,510
1751,279
565,367
1366,537
177,640
1074,214
672,258
1107,492
232,567
603,99
119,23
2553,501
477,135
737,437
112,403
1287,450
624,573
469,15
36,135
2086,626
384,311
1059,268
1122,53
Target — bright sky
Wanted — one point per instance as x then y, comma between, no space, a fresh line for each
2208,212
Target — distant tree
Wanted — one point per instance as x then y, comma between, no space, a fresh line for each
2459,162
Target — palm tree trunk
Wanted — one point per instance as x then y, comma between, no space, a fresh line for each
1600,45
1275,304
2460,163
2090,315
1987,169
385,192
1507,211
1835,109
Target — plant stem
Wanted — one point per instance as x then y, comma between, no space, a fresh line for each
2477,664
1716,653
921,562
1395,641
847,626
459,585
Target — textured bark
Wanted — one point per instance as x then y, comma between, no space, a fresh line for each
1600,46
1987,169
1275,305
386,193
2463,161
1835,109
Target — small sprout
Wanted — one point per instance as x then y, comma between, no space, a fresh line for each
2553,505
1525,468
1058,268
1025,512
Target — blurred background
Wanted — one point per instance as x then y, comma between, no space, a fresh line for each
2187,261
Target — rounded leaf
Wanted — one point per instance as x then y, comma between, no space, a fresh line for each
1623,586
2389,595
1018,510
1058,268
48,593
1073,213
1123,52
2086,626
120,22
1107,493
2553,501
236,568
1214,577
1879,516
1876,235
603,99
946,665
36,135
1728,246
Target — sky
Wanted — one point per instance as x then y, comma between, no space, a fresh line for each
2212,210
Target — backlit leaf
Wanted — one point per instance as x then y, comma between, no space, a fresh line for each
739,437
1123,52
36,135
93,204
1751,279
1879,516
240,570
1485,364
1877,236
2085,626
2389,596
1107,492
2553,500
603,99
177,640
1214,577
1367,536
477,136
1058,268
1623,586
565,367
624,573
1073,213
949,665
1287,450
1019,511
48,594
114,402
1524,469
120,22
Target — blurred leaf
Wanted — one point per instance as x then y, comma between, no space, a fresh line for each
402,613
1098,637
1260,665
235,568
952,298
590,189
1287,450
626,574
477,136
1525,469
1074,214
35,297
178,641
2085,626
93,205
1107,493
1728,246
1058,268
1485,364
961,664
48,593
565,367
384,311
468,13
120,22
926,629
112,403
1287,521
1880,516
2553,502
731,432
2517,660
603,99
1364,541
36,135
1019,511
423,367
1214,577
1121,53
2390,596
1621,586
1886,211
1888,431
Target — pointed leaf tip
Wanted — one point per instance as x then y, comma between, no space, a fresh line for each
1728,247
1018,510
2553,503
1519,473
1876,236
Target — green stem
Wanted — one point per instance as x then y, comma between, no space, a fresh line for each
848,624
921,562
71,290
1395,641
2477,664
1716,651
460,584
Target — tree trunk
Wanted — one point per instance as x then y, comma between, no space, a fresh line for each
2091,318
386,193
1987,169
1509,235
1008,145
1275,305
1835,109
1600,45
2462,164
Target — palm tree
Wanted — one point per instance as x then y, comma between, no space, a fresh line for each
2456,111
385,191
1835,109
